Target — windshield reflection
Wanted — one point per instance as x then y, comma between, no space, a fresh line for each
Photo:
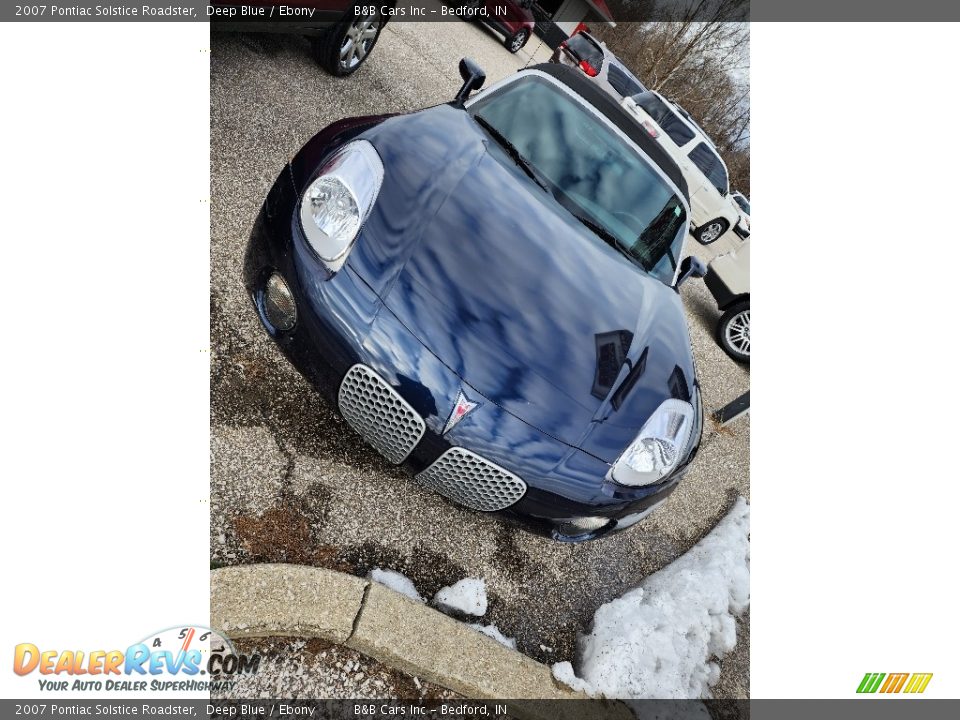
594,173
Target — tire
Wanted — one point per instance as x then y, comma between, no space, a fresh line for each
346,47
733,331
517,40
711,231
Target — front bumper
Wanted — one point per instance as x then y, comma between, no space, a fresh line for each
341,323
723,295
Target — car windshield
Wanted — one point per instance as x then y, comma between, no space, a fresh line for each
597,175
743,203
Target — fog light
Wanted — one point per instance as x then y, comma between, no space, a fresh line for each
278,303
582,525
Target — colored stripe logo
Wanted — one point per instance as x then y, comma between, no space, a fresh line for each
913,683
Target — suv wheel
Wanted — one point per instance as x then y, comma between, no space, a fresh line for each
708,232
733,331
344,49
517,40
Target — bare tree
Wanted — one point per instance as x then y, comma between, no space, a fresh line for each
699,58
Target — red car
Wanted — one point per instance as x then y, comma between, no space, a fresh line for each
516,25
341,39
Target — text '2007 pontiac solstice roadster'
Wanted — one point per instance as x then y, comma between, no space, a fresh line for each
487,290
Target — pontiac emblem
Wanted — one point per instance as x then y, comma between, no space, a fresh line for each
461,408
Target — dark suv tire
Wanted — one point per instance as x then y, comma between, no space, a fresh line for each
346,46
517,40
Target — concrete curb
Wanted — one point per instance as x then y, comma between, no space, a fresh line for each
293,600
264,600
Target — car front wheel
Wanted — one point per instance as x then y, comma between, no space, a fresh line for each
517,40
733,331
347,46
708,232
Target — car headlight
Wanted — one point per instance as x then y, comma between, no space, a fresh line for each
336,204
660,446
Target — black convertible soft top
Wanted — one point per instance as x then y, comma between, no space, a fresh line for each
610,109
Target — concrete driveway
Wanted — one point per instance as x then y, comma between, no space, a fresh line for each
290,481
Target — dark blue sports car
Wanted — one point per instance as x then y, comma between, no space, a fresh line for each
487,291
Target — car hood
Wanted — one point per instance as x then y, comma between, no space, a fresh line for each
531,310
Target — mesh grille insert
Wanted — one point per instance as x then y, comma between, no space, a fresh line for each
472,481
379,414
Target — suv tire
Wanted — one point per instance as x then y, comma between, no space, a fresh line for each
361,32
710,231
517,40
733,331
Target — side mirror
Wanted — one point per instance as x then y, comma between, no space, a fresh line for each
690,267
473,79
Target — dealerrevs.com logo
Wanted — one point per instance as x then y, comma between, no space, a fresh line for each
890,683
183,659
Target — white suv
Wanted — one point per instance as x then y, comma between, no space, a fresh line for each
703,169
728,280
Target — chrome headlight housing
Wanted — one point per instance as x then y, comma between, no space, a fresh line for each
338,202
662,444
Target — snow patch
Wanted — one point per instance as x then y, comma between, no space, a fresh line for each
563,671
494,632
396,581
468,596
658,640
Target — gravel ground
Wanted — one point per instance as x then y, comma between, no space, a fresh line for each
300,669
735,667
291,482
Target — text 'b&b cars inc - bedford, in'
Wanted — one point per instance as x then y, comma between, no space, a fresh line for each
487,290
